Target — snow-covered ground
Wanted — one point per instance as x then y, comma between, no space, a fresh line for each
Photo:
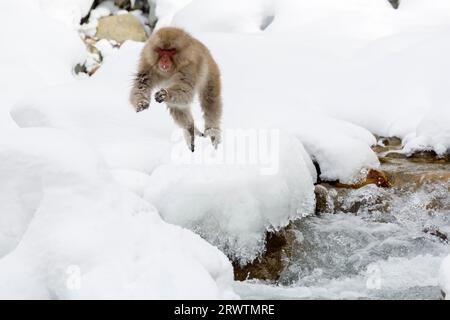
89,187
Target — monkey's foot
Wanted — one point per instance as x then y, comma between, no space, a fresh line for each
215,134
142,105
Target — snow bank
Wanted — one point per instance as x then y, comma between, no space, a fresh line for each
354,60
317,74
166,9
86,237
232,205
98,110
41,52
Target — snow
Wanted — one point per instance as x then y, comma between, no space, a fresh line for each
340,43
444,277
277,189
233,205
77,218
433,131
51,62
285,104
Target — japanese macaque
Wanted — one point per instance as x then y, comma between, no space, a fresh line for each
183,67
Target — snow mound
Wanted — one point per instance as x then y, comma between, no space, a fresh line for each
232,205
141,152
82,236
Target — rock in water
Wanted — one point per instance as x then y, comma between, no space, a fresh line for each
121,28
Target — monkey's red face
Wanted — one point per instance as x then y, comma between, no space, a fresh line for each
165,62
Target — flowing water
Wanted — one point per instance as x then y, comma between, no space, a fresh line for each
380,243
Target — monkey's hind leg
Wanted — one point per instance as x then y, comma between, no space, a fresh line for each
183,118
212,111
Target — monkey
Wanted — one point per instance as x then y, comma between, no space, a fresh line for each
183,66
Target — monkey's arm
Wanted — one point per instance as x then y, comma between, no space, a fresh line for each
181,92
140,93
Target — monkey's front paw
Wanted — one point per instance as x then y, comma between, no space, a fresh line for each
161,95
215,135
142,105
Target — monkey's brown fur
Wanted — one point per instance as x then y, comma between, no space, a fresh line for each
193,71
